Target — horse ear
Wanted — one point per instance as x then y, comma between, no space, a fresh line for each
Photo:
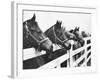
75,28
34,17
57,22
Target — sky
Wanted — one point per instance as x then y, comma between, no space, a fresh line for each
69,20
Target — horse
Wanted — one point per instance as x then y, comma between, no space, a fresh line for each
57,36
78,39
33,37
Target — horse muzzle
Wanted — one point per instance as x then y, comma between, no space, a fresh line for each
47,45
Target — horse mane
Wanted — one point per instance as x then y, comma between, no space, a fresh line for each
48,30
64,29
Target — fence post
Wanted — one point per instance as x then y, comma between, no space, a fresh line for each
85,52
58,64
71,57
68,60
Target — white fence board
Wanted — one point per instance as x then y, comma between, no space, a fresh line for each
31,53
56,62
74,63
86,60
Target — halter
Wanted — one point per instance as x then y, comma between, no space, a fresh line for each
62,42
29,33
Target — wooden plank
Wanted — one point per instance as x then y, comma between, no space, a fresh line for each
87,38
79,59
31,53
86,61
56,62
79,50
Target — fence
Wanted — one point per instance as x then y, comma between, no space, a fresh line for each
84,56
68,58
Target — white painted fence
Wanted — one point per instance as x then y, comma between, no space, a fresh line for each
71,63
32,53
72,53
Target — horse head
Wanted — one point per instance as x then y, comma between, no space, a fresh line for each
78,36
34,37
57,36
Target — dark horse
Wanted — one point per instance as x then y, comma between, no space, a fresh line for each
34,37
78,39
57,36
